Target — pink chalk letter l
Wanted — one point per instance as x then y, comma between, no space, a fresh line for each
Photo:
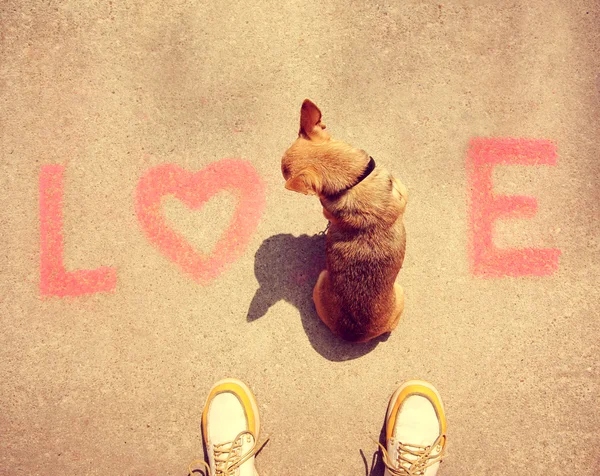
54,279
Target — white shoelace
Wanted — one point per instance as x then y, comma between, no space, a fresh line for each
413,460
228,456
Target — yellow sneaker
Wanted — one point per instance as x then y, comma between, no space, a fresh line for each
230,427
415,431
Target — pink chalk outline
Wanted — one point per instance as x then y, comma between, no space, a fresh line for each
486,207
195,189
54,279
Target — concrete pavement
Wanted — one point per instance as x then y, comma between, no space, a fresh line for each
106,371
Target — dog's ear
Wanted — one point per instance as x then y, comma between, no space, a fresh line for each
306,182
310,116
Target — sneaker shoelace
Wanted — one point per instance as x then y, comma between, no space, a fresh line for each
228,456
413,460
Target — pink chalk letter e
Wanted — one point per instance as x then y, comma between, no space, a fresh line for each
487,207
54,279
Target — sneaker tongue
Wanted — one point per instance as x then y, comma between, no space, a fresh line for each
415,442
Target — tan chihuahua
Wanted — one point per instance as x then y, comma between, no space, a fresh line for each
356,296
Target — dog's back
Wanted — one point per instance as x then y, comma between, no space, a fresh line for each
365,251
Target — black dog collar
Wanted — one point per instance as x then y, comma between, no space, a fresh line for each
370,167
366,173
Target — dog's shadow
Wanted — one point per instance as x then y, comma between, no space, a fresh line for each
287,268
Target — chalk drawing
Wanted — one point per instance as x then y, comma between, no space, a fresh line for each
195,189
54,279
239,177
487,207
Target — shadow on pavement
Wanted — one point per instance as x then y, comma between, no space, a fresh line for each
376,467
287,267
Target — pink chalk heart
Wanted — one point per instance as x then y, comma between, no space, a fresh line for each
194,190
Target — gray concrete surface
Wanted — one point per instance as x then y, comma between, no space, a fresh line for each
113,383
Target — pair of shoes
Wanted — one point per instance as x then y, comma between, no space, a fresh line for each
415,430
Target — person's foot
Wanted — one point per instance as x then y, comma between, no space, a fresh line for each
415,431
230,427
